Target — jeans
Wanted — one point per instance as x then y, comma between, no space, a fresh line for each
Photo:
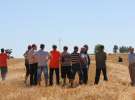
51,75
43,69
85,74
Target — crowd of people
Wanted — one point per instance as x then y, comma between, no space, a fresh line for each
65,65
69,64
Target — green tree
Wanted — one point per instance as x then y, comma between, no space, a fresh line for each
124,49
115,48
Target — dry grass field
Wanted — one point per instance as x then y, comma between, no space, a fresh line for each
117,88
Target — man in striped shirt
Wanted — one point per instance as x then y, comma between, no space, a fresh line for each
65,65
76,65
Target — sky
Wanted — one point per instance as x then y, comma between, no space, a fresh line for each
74,22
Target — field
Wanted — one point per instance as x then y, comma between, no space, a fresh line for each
117,88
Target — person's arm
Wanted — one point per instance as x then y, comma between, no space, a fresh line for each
89,60
34,56
48,57
70,59
105,56
61,59
129,58
96,59
80,59
50,54
24,54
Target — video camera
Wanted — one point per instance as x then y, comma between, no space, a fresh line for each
8,51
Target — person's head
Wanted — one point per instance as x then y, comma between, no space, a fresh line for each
2,50
34,47
54,47
102,48
76,49
131,50
83,50
65,48
87,47
42,46
29,47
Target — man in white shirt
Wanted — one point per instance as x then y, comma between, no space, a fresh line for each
42,58
131,59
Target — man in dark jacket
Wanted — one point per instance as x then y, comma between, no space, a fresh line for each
100,65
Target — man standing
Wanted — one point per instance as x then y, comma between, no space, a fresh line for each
86,52
100,64
42,58
76,65
88,63
27,63
131,59
65,65
54,64
33,65
84,65
3,64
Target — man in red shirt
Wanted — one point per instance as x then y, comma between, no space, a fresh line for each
54,64
3,64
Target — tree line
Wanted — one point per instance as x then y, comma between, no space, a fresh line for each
116,48
121,49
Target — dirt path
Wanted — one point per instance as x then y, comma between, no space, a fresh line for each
117,88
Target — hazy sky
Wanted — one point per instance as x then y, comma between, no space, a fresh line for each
75,22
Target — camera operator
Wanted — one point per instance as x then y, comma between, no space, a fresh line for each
3,63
